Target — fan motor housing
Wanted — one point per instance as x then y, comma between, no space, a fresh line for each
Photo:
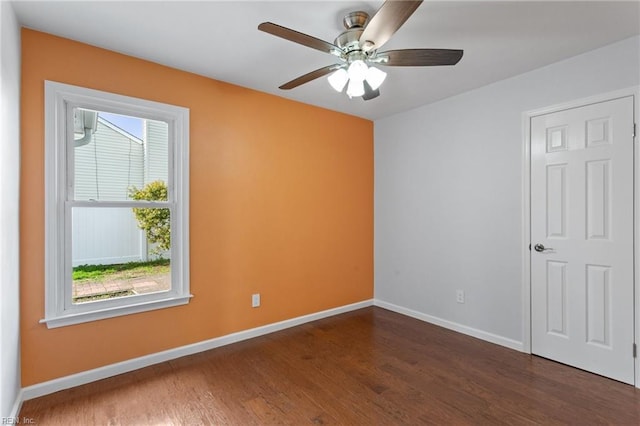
354,22
356,19
349,40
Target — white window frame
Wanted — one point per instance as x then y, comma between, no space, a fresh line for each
60,100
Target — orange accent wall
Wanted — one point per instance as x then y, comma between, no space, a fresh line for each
281,203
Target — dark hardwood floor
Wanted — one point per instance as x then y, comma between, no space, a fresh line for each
370,366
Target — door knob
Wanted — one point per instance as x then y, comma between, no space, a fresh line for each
541,248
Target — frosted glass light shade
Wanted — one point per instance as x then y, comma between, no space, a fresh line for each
357,71
338,79
355,88
375,77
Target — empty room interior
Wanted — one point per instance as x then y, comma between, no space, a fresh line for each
319,212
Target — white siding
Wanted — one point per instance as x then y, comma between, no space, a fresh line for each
157,145
108,166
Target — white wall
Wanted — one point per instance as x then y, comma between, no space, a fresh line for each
448,191
9,186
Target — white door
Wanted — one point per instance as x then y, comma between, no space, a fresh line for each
582,237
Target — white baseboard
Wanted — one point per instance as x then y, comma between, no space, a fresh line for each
78,379
100,373
17,405
469,331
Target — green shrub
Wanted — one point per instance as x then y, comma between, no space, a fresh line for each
155,222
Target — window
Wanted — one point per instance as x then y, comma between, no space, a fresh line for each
116,208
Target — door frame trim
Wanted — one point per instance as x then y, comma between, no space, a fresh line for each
527,116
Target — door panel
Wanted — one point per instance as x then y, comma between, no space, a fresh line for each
582,213
598,199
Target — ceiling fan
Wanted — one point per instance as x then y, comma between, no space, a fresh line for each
357,49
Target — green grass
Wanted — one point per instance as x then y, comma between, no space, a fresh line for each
82,299
97,273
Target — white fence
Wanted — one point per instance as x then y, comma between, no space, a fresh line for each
104,236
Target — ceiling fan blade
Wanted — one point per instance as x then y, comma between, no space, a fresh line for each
369,93
300,38
420,57
310,76
391,15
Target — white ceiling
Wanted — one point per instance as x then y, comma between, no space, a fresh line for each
219,39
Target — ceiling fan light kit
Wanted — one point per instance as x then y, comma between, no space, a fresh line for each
355,88
356,74
375,77
357,48
338,79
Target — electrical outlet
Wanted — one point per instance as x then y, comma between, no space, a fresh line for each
460,296
255,300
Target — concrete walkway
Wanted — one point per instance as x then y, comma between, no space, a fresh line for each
140,285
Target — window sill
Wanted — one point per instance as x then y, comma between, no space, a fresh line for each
116,311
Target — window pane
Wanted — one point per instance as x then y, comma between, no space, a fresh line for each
114,154
119,252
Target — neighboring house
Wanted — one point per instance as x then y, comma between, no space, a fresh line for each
107,167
